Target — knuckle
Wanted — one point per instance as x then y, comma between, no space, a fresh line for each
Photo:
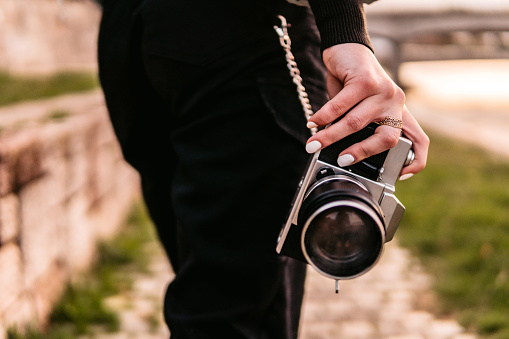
335,109
398,94
362,152
391,91
369,85
426,140
389,140
419,165
353,122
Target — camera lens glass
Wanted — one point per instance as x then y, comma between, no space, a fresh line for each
343,241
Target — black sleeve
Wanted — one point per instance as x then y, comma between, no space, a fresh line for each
340,21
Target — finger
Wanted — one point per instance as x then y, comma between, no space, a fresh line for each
359,117
338,105
385,137
420,144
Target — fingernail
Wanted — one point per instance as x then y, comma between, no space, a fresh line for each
406,176
345,160
313,146
311,124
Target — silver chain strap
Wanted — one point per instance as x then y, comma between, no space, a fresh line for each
284,40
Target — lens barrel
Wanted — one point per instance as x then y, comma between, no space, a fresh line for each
343,228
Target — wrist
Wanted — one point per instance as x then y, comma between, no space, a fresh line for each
346,51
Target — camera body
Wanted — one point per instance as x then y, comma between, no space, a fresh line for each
340,218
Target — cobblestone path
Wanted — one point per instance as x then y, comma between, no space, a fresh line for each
388,302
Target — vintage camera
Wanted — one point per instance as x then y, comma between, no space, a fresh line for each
341,218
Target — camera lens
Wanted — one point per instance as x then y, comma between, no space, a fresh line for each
343,231
343,241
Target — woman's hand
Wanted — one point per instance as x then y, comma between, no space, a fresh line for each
420,144
358,85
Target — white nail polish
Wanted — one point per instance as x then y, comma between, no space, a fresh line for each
345,160
311,124
406,176
313,146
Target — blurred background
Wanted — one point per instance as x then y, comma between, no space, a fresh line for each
78,254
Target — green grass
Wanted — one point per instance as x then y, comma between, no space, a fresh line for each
457,224
20,88
82,309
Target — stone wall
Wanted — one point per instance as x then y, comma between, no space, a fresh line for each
63,186
41,36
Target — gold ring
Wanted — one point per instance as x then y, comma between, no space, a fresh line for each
391,121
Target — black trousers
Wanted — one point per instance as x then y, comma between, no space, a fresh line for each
229,131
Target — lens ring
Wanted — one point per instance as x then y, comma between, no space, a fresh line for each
410,158
363,209
333,178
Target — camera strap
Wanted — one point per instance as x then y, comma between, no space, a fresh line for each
284,40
